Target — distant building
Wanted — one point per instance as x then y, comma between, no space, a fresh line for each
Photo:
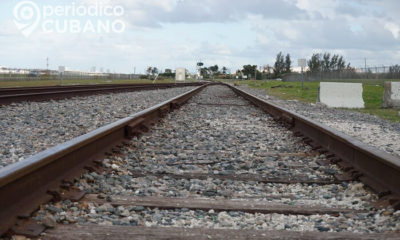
3,70
298,69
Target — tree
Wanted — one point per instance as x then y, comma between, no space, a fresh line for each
340,64
224,70
394,71
204,72
334,61
326,61
151,72
288,64
314,64
268,71
155,71
214,69
249,70
279,66
168,73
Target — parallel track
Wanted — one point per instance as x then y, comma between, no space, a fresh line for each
11,95
50,176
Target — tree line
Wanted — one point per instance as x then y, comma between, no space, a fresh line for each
319,62
394,72
326,63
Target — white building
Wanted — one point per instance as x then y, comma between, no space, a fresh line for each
3,70
298,69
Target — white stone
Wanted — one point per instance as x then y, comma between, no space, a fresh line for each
115,167
341,95
391,97
396,90
180,74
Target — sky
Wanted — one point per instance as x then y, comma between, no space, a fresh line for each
179,33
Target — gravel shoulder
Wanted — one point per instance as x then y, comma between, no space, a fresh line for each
367,128
30,127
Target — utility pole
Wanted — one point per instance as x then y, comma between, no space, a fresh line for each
365,61
47,74
302,78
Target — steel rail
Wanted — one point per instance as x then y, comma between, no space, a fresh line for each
377,169
27,184
16,90
11,95
12,90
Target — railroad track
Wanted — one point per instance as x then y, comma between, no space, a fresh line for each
10,95
219,168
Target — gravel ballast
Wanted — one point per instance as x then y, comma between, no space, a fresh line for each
206,137
367,128
30,127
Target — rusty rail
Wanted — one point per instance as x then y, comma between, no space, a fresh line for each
27,184
377,169
10,95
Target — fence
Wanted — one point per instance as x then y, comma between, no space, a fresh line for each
66,75
372,73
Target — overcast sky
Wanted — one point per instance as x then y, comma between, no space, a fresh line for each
231,33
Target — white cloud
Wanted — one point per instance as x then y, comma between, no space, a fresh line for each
316,9
393,28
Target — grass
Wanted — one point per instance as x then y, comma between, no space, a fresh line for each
38,83
364,81
372,95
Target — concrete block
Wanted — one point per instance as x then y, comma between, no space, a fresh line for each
180,74
391,96
341,95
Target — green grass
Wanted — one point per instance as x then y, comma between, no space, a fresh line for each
364,81
38,83
288,90
372,95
